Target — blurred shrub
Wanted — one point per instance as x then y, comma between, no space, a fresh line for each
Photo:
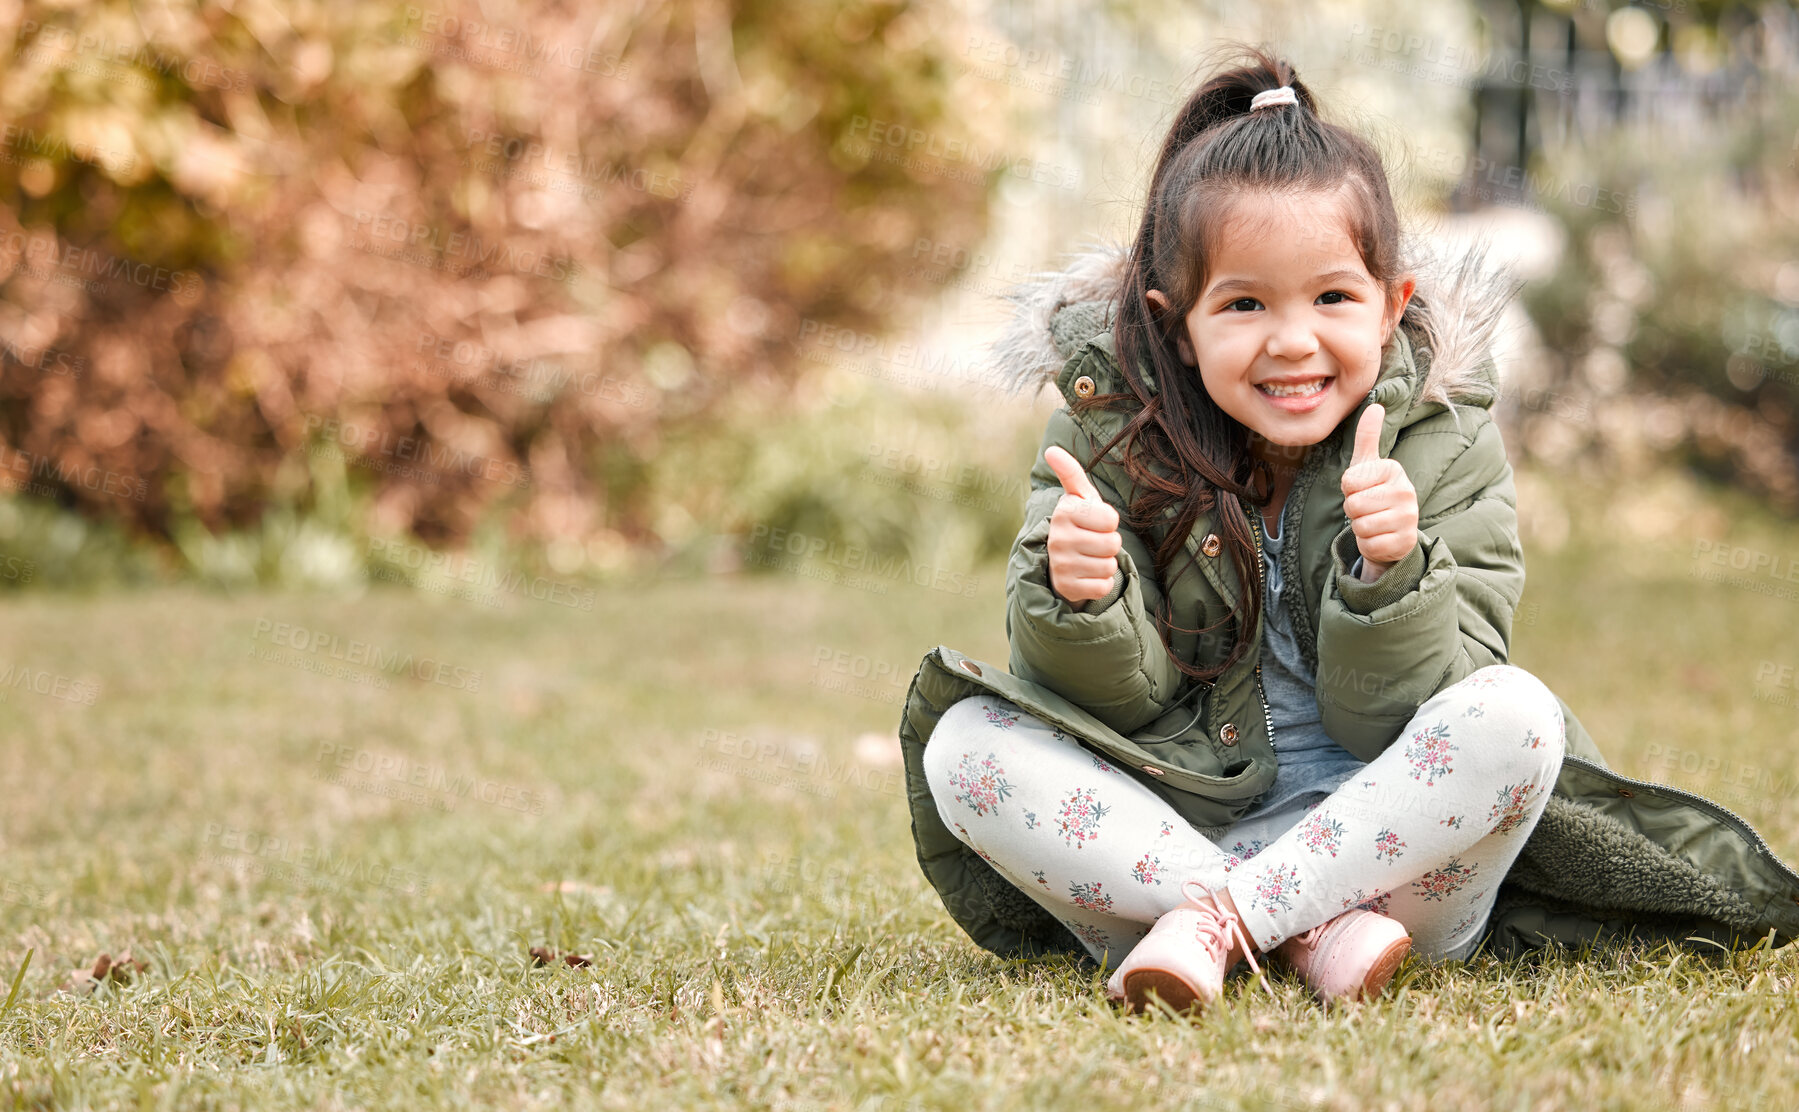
853,479
1676,325
42,544
273,279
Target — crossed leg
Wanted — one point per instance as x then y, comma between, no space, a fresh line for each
1424,834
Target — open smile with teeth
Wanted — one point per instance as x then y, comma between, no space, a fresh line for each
1301,390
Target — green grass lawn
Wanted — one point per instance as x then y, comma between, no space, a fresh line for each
334,887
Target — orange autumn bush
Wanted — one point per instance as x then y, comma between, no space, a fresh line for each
447,270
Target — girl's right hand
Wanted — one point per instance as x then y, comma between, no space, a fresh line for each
1083,534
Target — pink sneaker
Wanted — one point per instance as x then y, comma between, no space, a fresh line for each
1352,956
1185,956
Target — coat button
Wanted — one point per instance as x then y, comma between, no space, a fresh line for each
971,667
1152,770
1211,545
1083,386
1228,733
1626,792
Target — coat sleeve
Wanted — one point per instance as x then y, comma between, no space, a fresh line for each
1105,655
1441,613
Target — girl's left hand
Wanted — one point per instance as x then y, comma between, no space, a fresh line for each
1379,500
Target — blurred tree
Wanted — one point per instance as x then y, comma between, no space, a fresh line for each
1662,147
280,255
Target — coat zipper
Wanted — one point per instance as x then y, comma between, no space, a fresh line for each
1736,820
1262,579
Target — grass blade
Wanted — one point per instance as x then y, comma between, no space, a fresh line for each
18,980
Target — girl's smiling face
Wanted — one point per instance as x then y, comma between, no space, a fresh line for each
1290,325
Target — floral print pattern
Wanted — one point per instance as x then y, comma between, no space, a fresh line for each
1090,934
1513,807
1363,900
1240,853
1078,822
1381,904
1276,887
1428,751
1001,718
1246,852
1035,793
1467,921
1439,883
980,785
1088,897
1321,833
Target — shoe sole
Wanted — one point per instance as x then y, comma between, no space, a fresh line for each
1384,967
1174,991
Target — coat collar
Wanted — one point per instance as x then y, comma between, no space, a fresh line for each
1439,357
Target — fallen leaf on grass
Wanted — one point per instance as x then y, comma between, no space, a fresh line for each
543,955
106,968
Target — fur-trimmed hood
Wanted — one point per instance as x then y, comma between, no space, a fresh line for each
1450,322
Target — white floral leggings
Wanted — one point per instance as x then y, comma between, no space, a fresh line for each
1424,834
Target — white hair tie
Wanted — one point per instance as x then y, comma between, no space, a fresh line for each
1274,97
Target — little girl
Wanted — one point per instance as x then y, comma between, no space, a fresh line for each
1272,540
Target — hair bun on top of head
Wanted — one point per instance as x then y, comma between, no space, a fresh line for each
1273,98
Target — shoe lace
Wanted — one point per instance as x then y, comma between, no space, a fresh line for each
1311,937
1216,928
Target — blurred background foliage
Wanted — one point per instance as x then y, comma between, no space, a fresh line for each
1675,322
335,271
596,290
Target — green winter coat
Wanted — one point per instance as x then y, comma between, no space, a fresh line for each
1610,856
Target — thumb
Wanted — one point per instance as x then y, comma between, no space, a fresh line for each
1068,469
1367,435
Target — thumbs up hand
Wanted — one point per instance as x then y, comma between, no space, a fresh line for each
1379,500
1083,534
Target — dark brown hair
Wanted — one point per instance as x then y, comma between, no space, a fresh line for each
1182,450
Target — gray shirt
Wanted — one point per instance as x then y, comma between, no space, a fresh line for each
1310,762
